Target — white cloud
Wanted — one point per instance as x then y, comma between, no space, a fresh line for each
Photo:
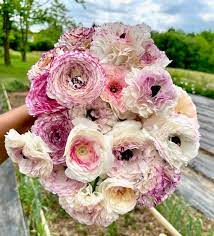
191,15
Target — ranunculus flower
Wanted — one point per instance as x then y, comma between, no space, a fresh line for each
88,152
128,147
54,130
160,182
178,136
87,207
119,44
37,101
98,111
75,78
153,56
119,195
115,82
184,105
29,152
45,62
58,183
149,90
78,38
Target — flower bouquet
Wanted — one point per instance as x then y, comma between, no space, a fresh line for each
111,129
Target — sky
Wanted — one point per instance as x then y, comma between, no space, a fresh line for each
187,15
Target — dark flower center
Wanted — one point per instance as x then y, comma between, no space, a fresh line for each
176,140
57,135
91,114
77,82
155,89
126,155
115,87
123,35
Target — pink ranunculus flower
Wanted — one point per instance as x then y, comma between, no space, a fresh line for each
37,101
159,178
119,44
88,152
73,76
160,182
128,148
78,38
178,136
88,207
115,82
30,153
58,183
45,62
98,111
153,56
54,130
149,90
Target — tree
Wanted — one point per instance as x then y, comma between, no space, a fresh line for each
6,11
28,12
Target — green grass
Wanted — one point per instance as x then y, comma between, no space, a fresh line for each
193,81
14,76
188,221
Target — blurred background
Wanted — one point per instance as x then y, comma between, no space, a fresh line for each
185,31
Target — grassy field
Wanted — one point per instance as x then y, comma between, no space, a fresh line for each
15,79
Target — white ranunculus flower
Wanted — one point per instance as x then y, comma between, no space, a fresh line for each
184,105
178,136
119,195
87,207
88,152
119,44
30,153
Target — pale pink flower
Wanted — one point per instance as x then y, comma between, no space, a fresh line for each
119,44
153,56
77,38
128,147
58,183
88,207
149,90
37,100
98,111
45,62
184,104
76,78
178,136
30,153
88,152
54,130
115,82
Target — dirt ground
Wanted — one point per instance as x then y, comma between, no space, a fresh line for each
139,222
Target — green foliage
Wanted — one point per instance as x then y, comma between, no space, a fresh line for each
41,45
186,220
194,82
112,230
30,195
188,51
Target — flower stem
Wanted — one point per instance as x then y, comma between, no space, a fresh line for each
94,183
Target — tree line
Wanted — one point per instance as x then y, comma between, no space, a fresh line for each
17,16
194,51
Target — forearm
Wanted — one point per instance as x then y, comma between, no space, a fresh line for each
19,119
